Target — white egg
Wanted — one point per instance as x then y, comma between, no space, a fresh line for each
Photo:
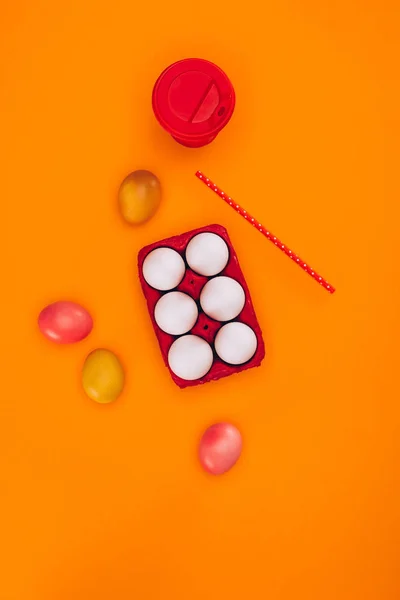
207,254
235,343
163,269
190,357
222,298
176,313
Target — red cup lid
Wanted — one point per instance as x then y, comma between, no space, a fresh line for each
193,98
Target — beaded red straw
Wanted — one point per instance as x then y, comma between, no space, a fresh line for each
270,236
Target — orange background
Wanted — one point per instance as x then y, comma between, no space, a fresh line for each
109,502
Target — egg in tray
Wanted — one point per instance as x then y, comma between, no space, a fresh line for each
200,306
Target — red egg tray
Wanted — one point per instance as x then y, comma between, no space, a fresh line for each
205,327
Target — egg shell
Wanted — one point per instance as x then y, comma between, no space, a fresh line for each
163,269
222,298
207,254
190,357
65,322
235,343
220,448
176,313
204,327
139,197
103,376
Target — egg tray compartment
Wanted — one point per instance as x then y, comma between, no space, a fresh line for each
205,327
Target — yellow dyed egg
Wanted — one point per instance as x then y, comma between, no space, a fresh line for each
102,376
139,197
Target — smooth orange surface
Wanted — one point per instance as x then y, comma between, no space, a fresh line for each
109,502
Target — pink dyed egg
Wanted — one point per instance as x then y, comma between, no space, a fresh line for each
220,448
65,322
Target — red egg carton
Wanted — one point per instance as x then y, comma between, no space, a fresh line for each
205,327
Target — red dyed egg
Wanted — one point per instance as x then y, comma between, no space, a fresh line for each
65,322
220,448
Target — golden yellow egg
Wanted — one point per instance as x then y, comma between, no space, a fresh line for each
139,197
102,376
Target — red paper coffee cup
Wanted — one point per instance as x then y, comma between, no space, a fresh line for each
193,100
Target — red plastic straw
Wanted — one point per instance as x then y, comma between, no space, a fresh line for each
270,236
